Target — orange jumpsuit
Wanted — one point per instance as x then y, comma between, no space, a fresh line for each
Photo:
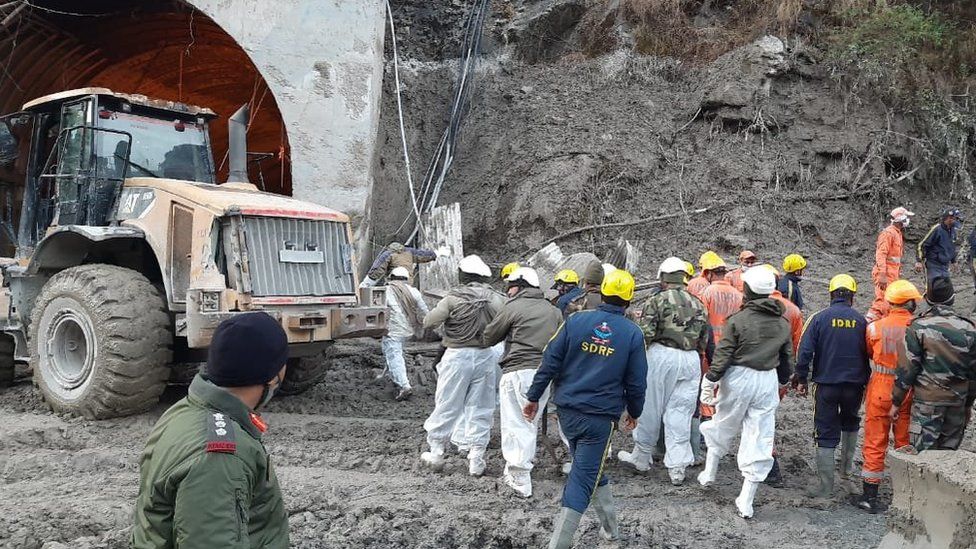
735,279
884,337
720,300
696,285
794,316
887,263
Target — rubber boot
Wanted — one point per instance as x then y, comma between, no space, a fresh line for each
606,511
476,461
848,441
707,476
775,477
869,498
639,459
566,524
825,473
696,442
744,502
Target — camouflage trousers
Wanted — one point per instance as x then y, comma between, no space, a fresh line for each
937,427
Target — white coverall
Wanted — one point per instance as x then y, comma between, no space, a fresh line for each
398,331
747,401
518,435
461,437
673,376
466,391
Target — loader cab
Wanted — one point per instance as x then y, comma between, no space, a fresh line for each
82,146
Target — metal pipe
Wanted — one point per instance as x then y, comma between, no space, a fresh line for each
237,145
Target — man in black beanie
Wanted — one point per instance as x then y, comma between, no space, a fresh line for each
205,477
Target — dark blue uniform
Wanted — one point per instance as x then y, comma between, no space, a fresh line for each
833,353
789,286
566,298
597,367
937,250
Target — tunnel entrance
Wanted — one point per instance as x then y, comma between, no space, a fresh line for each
164,49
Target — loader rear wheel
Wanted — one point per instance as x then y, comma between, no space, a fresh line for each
7,366
305,372
100,342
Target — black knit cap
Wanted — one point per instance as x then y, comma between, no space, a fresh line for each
940,291
247,349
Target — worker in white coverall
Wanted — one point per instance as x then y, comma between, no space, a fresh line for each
525,324
752,361
675,326
406,318
466,373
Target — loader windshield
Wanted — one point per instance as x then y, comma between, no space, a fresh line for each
167,148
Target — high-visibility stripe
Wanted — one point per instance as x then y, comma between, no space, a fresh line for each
603,462
809,320
920,253
882,369
867,475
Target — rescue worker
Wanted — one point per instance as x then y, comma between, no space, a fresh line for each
397,255
598,370
789,285
525,323
752,360
747,259
407,310
937,364
884,337
466,375
567,288
936,251
590,297
719,297
887,260
699,283
507,270
205,479
833,353
675,327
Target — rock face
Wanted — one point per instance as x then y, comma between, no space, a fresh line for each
934,502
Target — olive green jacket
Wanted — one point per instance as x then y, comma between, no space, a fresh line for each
526,323
206,480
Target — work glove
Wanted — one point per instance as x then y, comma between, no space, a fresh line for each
709,392
442,251
367,283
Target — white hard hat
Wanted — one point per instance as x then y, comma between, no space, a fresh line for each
473,264
400,272
671,265
608,268
527,274
760,281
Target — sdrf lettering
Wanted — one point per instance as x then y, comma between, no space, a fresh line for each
843,323
601,350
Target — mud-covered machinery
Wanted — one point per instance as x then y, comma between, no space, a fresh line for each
121,254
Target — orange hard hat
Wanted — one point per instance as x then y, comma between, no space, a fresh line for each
746,254
901,291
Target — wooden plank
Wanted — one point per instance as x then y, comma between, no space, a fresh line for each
442,228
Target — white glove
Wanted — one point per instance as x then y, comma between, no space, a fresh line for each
367,283
709,392
443,251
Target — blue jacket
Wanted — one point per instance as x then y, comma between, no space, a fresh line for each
938,246
596,364
789,286
564,299
834,343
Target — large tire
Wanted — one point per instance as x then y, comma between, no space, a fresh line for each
305,372
7,366
100,342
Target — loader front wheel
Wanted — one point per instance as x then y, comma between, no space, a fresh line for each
305,372
100,342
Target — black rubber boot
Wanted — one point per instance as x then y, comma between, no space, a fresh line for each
869,498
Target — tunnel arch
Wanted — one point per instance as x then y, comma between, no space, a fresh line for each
166,49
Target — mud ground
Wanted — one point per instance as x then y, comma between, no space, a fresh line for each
347,456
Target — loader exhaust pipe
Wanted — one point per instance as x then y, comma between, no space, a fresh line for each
237,145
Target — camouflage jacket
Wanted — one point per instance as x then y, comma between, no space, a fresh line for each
938,359
675,318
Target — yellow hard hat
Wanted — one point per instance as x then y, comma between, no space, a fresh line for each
710,261
619,283
689,268
793,263
567,276
901,291
509,269
842,282
769,267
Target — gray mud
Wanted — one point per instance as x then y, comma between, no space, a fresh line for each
347,456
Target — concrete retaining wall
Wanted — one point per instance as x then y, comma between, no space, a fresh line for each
934,503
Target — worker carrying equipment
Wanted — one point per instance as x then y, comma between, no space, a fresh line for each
884,337
697,284
397,255
833,353
525,323
598,369
753,358
939,365
407,310
467,373
507,270
675,327
936,251
747,259
789,284
205,478
887,260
